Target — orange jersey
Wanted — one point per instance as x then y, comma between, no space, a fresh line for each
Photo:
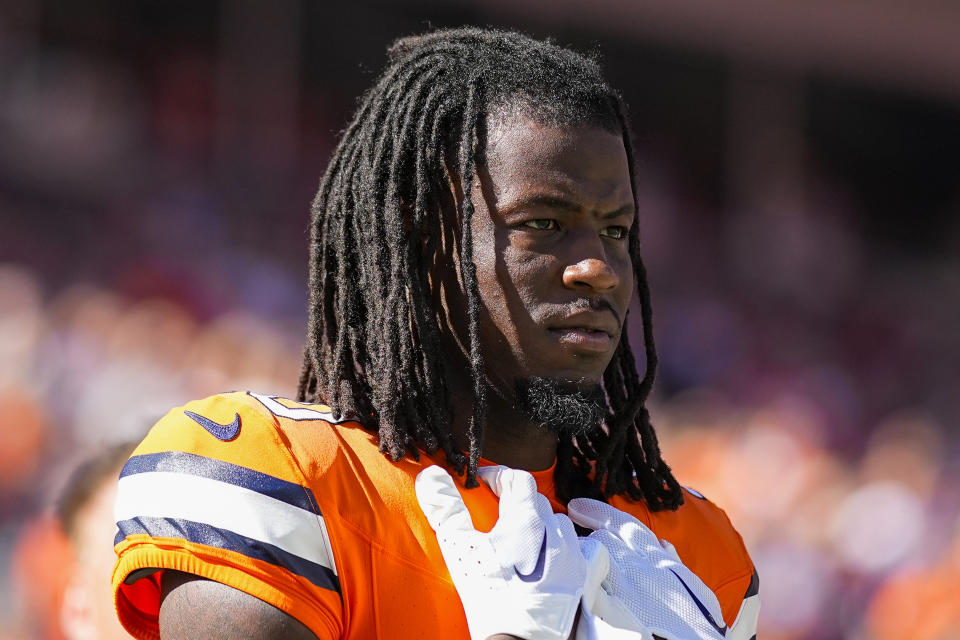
277,499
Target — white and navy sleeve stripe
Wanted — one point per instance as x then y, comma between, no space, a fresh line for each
745,626
219,504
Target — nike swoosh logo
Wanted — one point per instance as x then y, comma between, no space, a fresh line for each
537,573
225,432
721,629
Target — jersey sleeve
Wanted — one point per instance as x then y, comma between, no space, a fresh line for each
213,491
710,546
745,625
732,573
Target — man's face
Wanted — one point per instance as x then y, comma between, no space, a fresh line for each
553,207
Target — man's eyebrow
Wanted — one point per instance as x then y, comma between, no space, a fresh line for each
625,210
560,202
543,200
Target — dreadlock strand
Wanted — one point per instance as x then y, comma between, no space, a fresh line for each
404,259
424,328
399,340
469,273
306,376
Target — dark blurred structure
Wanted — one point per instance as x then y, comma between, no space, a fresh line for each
800,185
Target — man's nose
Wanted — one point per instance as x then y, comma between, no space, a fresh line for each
590,273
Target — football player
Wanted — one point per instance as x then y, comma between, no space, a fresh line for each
473,254
85,512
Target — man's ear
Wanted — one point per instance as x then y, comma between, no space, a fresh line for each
76,611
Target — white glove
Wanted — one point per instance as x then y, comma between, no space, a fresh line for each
602,617
647,578
526,575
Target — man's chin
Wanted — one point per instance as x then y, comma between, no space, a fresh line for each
562,405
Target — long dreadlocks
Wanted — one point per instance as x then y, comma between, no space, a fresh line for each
373,349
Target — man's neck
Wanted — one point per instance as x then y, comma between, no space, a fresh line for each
509,438
527,447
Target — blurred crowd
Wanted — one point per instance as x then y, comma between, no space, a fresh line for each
853,525
153,249
84,370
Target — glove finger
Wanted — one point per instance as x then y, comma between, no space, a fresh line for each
586,513
564,527
525,518
597,515
617,548
491,476
574,564
441,502
598,566
619,554
671,550
519,497
508,483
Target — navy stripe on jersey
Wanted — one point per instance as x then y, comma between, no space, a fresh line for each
228,540
754,587
192,464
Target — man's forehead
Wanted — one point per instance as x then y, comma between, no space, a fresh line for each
506,131
580,161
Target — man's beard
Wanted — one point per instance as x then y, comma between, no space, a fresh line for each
562,406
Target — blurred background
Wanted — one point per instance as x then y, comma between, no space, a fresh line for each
800,190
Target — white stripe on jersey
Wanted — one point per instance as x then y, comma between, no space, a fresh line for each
745,626
294,413
225,506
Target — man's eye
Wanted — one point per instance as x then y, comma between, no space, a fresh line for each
541,224
616,232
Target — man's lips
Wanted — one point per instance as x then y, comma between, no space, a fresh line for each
586,329
584,338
